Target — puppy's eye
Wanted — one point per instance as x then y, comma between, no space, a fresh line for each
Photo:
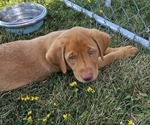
91,52
72,57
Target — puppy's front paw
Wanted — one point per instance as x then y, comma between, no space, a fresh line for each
129,51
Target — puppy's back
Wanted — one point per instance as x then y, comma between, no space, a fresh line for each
18,64
22,62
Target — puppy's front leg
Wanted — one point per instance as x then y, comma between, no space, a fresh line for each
119,53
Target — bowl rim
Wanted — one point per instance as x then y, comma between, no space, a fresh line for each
24,23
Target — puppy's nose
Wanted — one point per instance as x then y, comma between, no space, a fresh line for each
87,76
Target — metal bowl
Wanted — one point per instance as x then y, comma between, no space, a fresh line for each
23,18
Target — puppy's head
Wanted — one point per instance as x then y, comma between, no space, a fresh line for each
79,49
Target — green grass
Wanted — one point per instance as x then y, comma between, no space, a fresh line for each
130,14
122,90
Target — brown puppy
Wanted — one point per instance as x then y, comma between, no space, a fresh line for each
82,50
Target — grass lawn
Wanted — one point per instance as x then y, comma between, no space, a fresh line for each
132,15
121,92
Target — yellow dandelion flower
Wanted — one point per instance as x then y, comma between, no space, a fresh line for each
10,2
65,116
130,122
44,119
1,4
73,84
48,115
90,90
101,11
27,98
32,98
36,98
29,113
29,119
22,99
89,1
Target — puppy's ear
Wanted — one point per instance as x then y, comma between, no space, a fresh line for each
102,40
55,54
